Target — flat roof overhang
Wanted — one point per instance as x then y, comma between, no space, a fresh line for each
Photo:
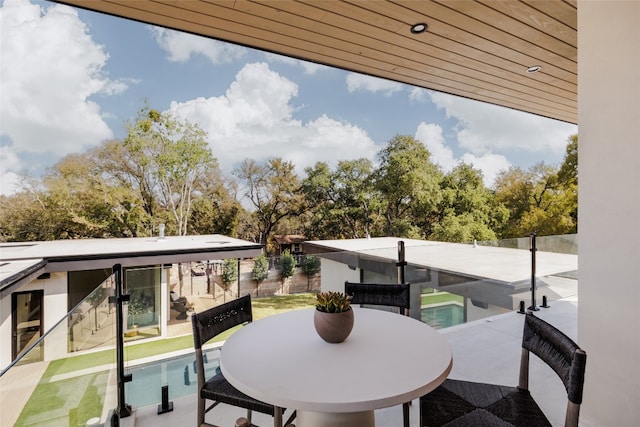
478,50
89,254
17,273
486,274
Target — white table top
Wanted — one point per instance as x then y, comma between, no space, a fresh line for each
387,360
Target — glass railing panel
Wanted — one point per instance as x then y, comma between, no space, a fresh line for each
445,292
143,312
470,281
67,376
92,322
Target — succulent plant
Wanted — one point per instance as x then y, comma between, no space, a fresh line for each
333,302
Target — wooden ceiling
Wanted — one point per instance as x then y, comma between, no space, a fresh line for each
475,49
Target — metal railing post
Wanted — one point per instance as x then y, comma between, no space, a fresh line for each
533,249
401,264
124,410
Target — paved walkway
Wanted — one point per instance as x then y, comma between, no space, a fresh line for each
16,387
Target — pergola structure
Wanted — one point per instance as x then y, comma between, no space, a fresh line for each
521,54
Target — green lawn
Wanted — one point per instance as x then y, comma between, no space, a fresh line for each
261,307
74,400
440,297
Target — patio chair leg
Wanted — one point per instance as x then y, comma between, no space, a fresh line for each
405,413
277,417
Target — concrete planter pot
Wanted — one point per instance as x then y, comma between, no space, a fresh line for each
333,327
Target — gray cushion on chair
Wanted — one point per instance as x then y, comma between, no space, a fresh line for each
463,403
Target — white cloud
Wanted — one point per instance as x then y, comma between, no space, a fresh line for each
50,68
490,165
10,166
254,120
418,94
430,134
356,82
485,128
309,68
180,47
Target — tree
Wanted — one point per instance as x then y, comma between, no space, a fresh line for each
410,187
215,210
177,155
342,203
311,266
260,271
537,202
32,215
568,173
88,205
128,167
568,179
287,265
467,211
273,189
229,272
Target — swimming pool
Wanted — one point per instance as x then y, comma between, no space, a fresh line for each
443,315
178,373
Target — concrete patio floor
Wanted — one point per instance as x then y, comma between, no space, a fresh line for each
486,350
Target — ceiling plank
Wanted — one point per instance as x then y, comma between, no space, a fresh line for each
475,49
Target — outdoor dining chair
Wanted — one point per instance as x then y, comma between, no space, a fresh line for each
390,295
473,404
207,325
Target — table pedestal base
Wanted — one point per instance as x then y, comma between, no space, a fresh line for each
325,419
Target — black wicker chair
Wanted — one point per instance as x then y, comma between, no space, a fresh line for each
390,295
207,325
464,403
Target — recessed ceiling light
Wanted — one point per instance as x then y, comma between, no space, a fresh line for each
418,28
534,69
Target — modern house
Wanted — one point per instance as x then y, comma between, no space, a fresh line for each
290,242
490,52
40,282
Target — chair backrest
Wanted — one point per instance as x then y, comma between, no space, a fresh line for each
380,294
216,320
561,353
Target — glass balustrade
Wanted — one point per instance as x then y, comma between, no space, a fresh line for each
68,376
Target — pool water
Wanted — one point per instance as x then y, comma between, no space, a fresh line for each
178,373
443,316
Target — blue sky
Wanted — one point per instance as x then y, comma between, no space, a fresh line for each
70,79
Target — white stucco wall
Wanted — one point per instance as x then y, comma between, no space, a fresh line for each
609,210
54,307
5,330
334,275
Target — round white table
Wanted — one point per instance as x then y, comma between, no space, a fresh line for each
387,360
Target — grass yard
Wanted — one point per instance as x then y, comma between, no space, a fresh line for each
69,402
440,297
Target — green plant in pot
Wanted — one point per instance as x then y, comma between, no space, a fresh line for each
333,317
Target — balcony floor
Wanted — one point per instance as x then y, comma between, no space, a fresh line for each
486,350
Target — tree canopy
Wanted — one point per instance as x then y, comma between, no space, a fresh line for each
165,172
